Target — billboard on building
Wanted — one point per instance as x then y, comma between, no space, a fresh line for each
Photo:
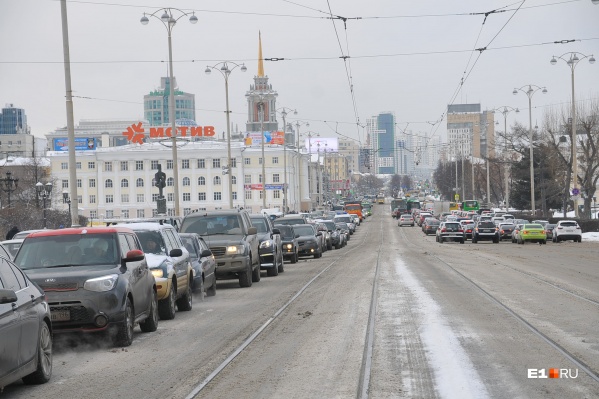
81,144
322,144
255,138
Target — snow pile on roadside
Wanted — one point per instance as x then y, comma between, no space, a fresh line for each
455,375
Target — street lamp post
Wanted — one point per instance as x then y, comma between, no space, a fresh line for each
225,71
299,164
66,199
572,62
506,110
169,22
44,190
262,140
532,89
9,184
310,134
283,111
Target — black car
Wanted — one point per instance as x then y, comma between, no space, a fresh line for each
505,230
270,249
92,277
202,263
25,329
485,231
307,240
288,242
334,233
430,225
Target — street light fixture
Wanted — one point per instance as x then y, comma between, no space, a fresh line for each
169,21
505,111
225,71
532,89
44,190
284,111
10,184
66,199
299,157
572,62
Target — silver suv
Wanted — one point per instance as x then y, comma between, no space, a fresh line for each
233,242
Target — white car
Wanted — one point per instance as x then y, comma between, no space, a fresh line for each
406,220
567,230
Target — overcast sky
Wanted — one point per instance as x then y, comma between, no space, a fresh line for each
405,56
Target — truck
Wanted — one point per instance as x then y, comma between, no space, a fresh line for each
354,207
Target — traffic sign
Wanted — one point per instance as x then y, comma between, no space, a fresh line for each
456,197
575,191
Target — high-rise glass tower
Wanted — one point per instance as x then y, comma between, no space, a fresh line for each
156,104
13,120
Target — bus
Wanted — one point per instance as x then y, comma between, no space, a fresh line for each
354,208
412,203
470,205
400,203
453,206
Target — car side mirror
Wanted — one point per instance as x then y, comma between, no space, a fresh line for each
7,296
275,231
135,255
252,230
175,253
319,233
206,253
297,236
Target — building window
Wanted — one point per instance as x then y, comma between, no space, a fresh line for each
91,165
201,196
218,196
139,165
109,199
140,213
170,197
259,161
233,179
275,178
216,163
80,199
108,183
109,213
124,198
141,198
92,199
77,165
201,181
261,194
248,195
169,164
124,166
124,183
93,214
186,196
247,161
201,164
154,165
170,182
107,166
92,183
259,178
125,213
186,181
247,179
139,182
216,180
65,184
275,160
186,211
234,195
276,194
64,165
155,197
79,183
170,211
233,162
185,164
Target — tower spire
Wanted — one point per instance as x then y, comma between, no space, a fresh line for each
260,63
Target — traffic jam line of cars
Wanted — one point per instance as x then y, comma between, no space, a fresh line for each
489,227
106,280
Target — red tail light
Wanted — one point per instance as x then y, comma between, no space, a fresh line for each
443,230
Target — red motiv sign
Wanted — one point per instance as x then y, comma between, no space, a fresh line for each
136,132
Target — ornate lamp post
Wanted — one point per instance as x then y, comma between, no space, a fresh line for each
169,21
9,184
283,111
44,191
572,62
299,162
505,111
532,89
225,71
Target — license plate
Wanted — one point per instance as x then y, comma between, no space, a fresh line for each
60,315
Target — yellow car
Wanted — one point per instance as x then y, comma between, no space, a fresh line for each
532,233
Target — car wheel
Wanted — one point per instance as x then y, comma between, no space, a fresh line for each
294,258
272,271
245,278
440,240
44,358
462,241
150,324
580,239
544,242
282,264
166,306
474,240
329,246
495,240
256,274
212,290
198,292
185,303
124,334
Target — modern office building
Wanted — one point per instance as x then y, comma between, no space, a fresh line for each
381,130
156,104
13,120
470,132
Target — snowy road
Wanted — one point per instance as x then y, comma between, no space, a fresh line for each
452,321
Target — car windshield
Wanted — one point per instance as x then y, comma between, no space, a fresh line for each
330,225
290,221
214,225
345,219
260,225
568,224
151,242
188,243
286,231
486,225
12,247
533,226
452,226
68,250
304,230
506,226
